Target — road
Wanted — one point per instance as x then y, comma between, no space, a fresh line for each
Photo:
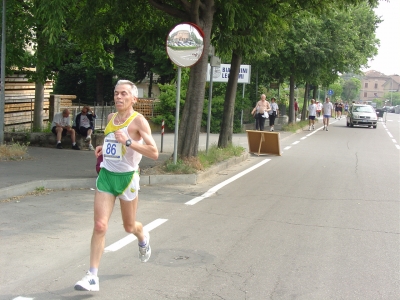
319,222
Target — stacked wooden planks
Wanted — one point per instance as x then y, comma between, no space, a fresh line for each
20,102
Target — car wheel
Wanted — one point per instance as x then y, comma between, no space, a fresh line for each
351,124
374,127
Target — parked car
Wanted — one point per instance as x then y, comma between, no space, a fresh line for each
362,115
389,109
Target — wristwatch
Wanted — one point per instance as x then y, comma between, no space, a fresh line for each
128,143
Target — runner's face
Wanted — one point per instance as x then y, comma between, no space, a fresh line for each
122,97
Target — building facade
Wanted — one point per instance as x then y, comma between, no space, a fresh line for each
374,85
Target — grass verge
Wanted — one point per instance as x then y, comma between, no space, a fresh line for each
14,151
202,161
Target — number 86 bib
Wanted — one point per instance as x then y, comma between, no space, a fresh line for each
112,149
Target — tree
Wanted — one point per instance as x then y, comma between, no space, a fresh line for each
351,89
200,13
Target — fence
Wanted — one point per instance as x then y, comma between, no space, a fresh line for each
149,108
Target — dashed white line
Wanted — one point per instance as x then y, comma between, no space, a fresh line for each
287,148
214,189
130,238
295,143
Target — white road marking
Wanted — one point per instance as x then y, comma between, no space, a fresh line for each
304,137
23,298
398,147
130,238
295,143
394,141
214,189
287,148
390,135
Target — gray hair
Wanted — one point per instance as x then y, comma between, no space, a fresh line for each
134,89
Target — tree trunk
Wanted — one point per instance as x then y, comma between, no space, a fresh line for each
190,123
38,107
305,102
225,136
200,13
291,100
150,84
100,88
39,83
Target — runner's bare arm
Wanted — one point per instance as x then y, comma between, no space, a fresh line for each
140,128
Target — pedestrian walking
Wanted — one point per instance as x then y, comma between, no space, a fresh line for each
260,112
273,113
312,111
327,109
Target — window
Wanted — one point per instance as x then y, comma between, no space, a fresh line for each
366,85
365,94
375,94
376,85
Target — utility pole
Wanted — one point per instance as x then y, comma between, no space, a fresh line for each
3,70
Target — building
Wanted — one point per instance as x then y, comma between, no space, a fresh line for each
374,85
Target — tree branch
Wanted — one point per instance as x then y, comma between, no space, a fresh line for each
172,11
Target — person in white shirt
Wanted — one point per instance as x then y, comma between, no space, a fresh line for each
273,113
61,126
312,111
319,108
327,108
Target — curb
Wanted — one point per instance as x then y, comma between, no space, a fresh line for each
22,189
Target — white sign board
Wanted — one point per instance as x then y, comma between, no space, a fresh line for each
221,74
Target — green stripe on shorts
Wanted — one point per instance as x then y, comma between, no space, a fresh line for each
114,183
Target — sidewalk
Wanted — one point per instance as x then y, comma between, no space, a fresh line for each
56,169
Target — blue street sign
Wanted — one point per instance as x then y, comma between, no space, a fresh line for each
330,92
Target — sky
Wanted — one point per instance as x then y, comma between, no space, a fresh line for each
388,59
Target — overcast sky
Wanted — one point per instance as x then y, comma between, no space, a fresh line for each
388,59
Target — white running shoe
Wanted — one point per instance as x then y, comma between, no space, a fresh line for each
309,128
88,138
145,252
313,127
91,148
88,283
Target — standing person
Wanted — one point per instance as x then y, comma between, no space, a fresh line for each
312,111
340,109
127,138
327,109
259,111
296,108
273,113
319,108
84,124
61,126
346,108
336,106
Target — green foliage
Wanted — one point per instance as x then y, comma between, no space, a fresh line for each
351,89
393,98
337,88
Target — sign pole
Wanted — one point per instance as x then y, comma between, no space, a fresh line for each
209,106
3,71
178,100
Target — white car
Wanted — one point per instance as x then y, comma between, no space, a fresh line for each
362,115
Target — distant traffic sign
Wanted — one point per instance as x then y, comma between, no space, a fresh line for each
330,92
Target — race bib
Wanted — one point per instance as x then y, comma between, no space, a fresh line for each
112,150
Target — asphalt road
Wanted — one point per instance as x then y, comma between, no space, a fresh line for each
319,222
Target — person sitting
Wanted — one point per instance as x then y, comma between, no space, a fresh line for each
84,124
61,126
